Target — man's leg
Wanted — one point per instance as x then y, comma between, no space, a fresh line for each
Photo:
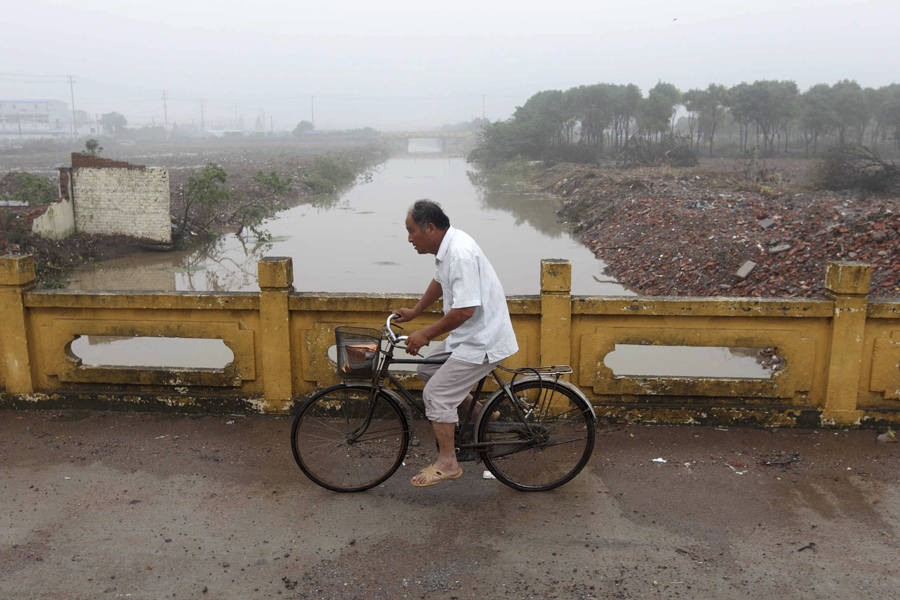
444,392
427,371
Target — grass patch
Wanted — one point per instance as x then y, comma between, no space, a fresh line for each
327,174
519,168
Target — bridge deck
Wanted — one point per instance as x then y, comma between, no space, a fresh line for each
426,134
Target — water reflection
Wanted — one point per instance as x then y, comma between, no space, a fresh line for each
527,207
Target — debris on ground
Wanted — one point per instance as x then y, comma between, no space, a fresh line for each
712,231
889,437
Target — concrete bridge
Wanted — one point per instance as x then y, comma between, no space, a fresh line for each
426,134
840,356
444,136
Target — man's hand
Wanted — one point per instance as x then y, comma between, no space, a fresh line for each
406,314
416,340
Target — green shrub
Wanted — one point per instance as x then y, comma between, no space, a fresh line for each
33,190
328,174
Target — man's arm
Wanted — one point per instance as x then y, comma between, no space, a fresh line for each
452,320
433,292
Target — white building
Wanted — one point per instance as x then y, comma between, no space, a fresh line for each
30,119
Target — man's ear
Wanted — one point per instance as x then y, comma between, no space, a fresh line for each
430,228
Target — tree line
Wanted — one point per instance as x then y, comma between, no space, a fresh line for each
588,122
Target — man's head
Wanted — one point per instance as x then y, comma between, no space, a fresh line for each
426,224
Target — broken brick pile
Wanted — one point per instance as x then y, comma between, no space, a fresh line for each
689,232
86,161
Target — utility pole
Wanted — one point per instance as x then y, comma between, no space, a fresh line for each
202,117
97,119
312,105
72,92
19,121
165,113
272,126
235,116
482,106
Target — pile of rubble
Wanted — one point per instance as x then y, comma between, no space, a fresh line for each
703,232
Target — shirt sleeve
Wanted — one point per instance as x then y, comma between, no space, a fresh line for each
465,283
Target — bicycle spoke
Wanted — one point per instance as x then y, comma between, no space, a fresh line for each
323,432
542,438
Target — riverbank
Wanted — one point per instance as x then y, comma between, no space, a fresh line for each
688,232
300,164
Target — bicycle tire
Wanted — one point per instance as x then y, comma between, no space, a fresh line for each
539,455
320,438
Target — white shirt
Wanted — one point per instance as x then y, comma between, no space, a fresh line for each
468,280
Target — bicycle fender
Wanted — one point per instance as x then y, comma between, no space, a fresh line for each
561,383
404,406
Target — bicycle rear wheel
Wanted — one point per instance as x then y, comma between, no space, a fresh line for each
539,442
337,450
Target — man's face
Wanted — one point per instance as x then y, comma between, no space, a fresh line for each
422,239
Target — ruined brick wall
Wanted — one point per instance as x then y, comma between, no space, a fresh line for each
116,197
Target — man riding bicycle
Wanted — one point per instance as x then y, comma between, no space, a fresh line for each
475,316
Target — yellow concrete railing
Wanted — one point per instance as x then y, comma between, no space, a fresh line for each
841,354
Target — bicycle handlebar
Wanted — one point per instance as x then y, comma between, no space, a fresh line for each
390,332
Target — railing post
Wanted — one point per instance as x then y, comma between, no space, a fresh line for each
847,284
556,312
276,279
16,277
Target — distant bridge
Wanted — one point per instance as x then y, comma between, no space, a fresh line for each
443,136
426,134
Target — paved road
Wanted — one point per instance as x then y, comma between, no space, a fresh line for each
115,505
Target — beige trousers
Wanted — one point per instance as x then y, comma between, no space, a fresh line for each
447,385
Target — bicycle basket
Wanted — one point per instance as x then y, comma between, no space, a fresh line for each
357,351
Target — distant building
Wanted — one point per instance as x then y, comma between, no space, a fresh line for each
34,119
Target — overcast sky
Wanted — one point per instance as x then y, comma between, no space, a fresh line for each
404,64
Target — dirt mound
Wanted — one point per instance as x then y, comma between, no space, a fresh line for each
688,232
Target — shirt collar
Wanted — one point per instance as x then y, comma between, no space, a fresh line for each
445,243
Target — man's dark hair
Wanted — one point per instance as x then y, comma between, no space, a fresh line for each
424,212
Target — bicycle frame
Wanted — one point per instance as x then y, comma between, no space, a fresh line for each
384,375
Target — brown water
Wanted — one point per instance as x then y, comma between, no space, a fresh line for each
356,242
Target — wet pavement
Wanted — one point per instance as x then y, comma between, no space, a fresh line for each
136,505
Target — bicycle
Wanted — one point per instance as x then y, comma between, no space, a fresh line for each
534,433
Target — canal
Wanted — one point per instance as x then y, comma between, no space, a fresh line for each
355,241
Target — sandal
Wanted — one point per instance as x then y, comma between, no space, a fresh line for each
431,472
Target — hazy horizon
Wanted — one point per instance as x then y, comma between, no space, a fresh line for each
409,66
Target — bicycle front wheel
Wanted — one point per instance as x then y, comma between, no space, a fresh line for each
340,447
541,440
